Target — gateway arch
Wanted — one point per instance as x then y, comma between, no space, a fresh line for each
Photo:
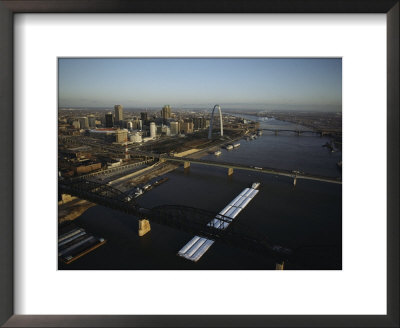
212,120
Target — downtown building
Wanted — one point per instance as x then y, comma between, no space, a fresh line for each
92,121
153,130
83,122
174,128
118,115
187,126
166,112
199,123
109,120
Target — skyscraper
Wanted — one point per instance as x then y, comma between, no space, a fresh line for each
166,112
152,130
199,123
92,121
118,114
174,128
109,120
84,122
143,117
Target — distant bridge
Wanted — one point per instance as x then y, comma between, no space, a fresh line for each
298,131
188,219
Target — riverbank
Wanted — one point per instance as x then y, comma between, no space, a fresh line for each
73,209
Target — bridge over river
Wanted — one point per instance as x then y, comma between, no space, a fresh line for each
321,133
231,166
188,219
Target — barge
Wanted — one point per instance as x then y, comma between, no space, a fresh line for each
74,242
197,246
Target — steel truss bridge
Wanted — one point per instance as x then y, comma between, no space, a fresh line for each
184,218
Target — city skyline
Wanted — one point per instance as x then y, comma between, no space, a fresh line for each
261,83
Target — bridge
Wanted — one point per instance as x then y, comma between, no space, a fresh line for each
231,166
299,132
184,218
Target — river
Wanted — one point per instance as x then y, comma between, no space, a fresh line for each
306,218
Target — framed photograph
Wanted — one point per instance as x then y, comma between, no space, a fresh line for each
182,164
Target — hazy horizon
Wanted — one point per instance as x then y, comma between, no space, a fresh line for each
259,84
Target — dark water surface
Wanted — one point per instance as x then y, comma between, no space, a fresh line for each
307,218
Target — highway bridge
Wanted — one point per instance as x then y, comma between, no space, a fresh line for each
299,131
231,166
188,219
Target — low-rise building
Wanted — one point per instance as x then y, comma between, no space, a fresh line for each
136,137
83,169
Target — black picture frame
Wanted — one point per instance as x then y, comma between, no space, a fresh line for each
7,10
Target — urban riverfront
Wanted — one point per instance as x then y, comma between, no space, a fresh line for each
306,218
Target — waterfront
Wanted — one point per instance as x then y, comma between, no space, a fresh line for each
306,218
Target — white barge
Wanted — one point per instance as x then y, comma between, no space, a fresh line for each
197,246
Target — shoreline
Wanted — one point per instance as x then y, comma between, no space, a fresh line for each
73,209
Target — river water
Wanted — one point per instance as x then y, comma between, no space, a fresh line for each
306,218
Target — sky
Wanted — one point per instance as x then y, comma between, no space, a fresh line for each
233,83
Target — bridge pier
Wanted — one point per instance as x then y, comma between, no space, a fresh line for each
162,160
230,171
144,227
186,165
294,181
279,266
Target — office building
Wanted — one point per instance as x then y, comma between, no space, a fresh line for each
121,136
143,117
109,120
165,130
166,112
187,127
153,130
174,127
199,123
118,115
92,121
84,122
